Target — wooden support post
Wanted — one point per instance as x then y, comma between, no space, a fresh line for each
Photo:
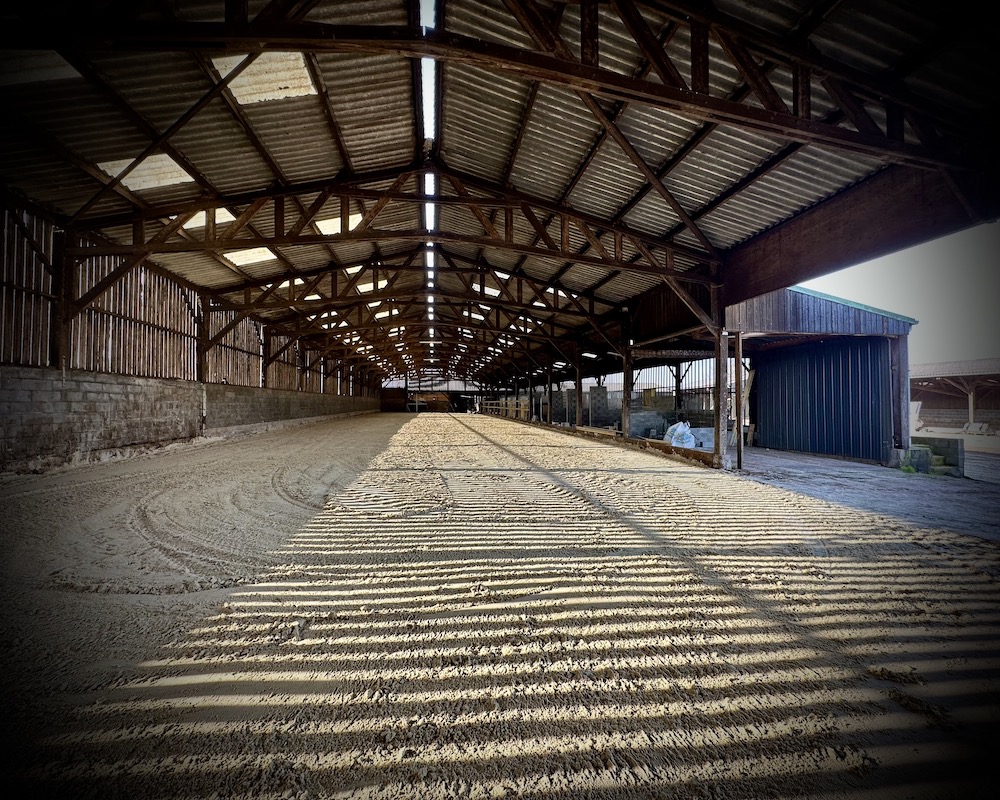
738,424
62,291
676,369
268,348
589,26
628,378
201,326
627,383
900,391
578,388
719,458
548,389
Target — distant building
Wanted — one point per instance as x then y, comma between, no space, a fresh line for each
957,395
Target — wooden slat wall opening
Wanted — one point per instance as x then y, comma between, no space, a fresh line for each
238,357
26,291
143,324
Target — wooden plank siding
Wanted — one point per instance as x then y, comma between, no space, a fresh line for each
145,324
800,311
236,358
26,291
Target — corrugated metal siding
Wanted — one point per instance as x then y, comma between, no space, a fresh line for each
372,99
832,398
654,132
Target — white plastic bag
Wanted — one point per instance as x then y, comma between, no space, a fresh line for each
680,435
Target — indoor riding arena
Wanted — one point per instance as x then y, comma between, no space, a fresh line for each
409,399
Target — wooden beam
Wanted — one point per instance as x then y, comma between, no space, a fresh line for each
892,210
590,33
752,73
651,47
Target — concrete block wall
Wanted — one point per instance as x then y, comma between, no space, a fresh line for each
600,414
229,408
564,407
49,418
641,422
951,449
957,417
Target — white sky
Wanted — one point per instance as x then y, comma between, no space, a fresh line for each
951,286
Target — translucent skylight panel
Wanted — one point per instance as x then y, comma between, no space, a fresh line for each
153,172
253,255
331,226
222,216
273,76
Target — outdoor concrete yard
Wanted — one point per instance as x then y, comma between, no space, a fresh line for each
400,606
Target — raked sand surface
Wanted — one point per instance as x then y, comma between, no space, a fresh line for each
432,606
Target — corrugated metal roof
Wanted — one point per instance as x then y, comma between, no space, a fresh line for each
482,112
515,128
957,369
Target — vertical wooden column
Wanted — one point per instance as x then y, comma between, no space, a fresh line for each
201,326
548,393
628,379
300,367
62,291
268,349
738,424
627,383
578,388
721,398
899,359
719,458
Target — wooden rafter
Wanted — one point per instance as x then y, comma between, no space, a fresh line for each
448,46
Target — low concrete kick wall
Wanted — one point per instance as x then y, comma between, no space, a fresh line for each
230,409
49,418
